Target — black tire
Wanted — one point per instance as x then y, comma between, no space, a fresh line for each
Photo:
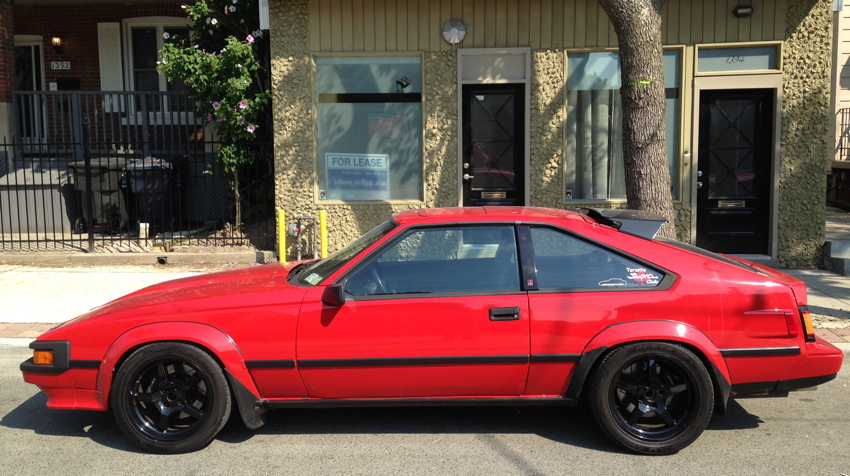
652,397
170,397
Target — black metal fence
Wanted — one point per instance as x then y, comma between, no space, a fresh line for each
124,172
838,182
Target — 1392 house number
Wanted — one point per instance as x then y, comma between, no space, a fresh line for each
60,65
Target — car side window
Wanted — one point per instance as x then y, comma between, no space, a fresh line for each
564,261
459,259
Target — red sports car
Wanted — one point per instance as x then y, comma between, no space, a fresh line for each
503,305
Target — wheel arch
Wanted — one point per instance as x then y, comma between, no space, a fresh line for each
672,332
210,339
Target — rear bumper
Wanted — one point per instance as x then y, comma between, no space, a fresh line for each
821,363
777,389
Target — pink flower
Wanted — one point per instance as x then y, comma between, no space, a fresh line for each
216,105
243,104
251,129
209,118
250,40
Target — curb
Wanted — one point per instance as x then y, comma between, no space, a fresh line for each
136,258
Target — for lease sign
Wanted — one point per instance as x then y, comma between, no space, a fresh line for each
357,176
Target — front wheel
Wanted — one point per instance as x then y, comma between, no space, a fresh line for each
652,397
170,397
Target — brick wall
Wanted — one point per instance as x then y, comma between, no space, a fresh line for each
76,24
7,51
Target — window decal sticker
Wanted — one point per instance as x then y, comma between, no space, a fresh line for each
613,282
642,276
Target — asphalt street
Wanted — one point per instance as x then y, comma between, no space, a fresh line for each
807,433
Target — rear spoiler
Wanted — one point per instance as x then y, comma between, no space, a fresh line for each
639,223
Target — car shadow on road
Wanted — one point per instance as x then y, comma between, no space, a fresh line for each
569,426
736,418
33,415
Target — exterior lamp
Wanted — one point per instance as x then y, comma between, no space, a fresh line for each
743,11
57,45
454,31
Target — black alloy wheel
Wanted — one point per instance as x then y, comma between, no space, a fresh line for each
170,397
652,397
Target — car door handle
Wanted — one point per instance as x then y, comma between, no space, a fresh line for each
504,314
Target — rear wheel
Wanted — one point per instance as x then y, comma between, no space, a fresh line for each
170,397
652,397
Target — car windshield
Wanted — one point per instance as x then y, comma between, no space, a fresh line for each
318,271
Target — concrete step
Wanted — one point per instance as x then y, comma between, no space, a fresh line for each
837,256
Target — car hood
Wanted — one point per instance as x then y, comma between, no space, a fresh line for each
241,288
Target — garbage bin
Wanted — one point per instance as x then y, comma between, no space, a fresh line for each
109,210
155,185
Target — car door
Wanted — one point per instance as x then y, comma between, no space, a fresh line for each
436,313
582,287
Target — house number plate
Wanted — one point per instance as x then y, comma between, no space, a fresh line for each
60,65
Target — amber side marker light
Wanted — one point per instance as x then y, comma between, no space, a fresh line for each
42,357
807,323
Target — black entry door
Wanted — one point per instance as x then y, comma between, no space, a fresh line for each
493,144
734,170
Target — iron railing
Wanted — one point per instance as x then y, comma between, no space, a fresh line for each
843,122
123,172
838,180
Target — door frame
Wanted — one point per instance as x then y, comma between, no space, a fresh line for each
30,41
736,81
494,66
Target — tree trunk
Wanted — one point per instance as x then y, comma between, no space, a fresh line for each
638,27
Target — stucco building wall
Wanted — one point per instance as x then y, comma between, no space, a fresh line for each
805,133
804,129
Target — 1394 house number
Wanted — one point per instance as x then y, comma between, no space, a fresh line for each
60,65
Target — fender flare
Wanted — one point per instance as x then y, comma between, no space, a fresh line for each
658,331
211,338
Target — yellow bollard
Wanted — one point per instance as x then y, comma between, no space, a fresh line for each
323,230
281,236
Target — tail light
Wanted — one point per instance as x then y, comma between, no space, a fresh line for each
808,326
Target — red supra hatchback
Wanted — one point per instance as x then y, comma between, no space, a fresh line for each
457,306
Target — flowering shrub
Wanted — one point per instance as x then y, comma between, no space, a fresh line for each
219,63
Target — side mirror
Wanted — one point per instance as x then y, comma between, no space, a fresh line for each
334,295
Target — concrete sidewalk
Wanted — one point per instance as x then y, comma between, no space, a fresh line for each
37,298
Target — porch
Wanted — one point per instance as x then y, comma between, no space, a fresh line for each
123,172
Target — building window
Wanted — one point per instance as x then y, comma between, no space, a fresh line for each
594,156
735,59
144,39
369,128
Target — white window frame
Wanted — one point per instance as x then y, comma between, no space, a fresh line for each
160,23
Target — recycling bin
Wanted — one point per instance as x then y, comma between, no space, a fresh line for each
108,213
155,185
